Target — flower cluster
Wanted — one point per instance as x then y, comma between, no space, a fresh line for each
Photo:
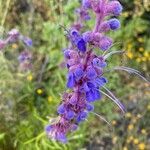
25,56
85,69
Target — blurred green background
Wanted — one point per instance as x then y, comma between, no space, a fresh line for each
28,100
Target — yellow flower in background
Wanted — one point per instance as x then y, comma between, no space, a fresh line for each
138,60
141,40
30,77
139,116
14,46
144,59
135,141
114,140
39,91
129,46
130,139
148,107
128,115
141,49
146,54
49,99
142,146
134,120
130,54
125,14
143,131
130,127
114,122
125,148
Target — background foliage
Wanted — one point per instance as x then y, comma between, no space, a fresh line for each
29,99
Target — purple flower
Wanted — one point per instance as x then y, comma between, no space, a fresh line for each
114,24
71,80
82,116
70,114
61,109
78,73
85,69
27,41
91,73
101,81
62,138
93,95
81,44
89,107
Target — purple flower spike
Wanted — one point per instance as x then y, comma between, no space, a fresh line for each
85,69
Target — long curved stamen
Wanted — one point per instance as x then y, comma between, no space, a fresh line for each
116,101
131,71
111,53
102,118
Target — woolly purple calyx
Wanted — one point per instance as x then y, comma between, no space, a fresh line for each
105,43
87,36
86,4
104,27
2,44
13,32
74,98
13,35
73,61
83,13
24,56
115,8
95,6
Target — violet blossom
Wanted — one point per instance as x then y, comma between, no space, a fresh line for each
85,77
